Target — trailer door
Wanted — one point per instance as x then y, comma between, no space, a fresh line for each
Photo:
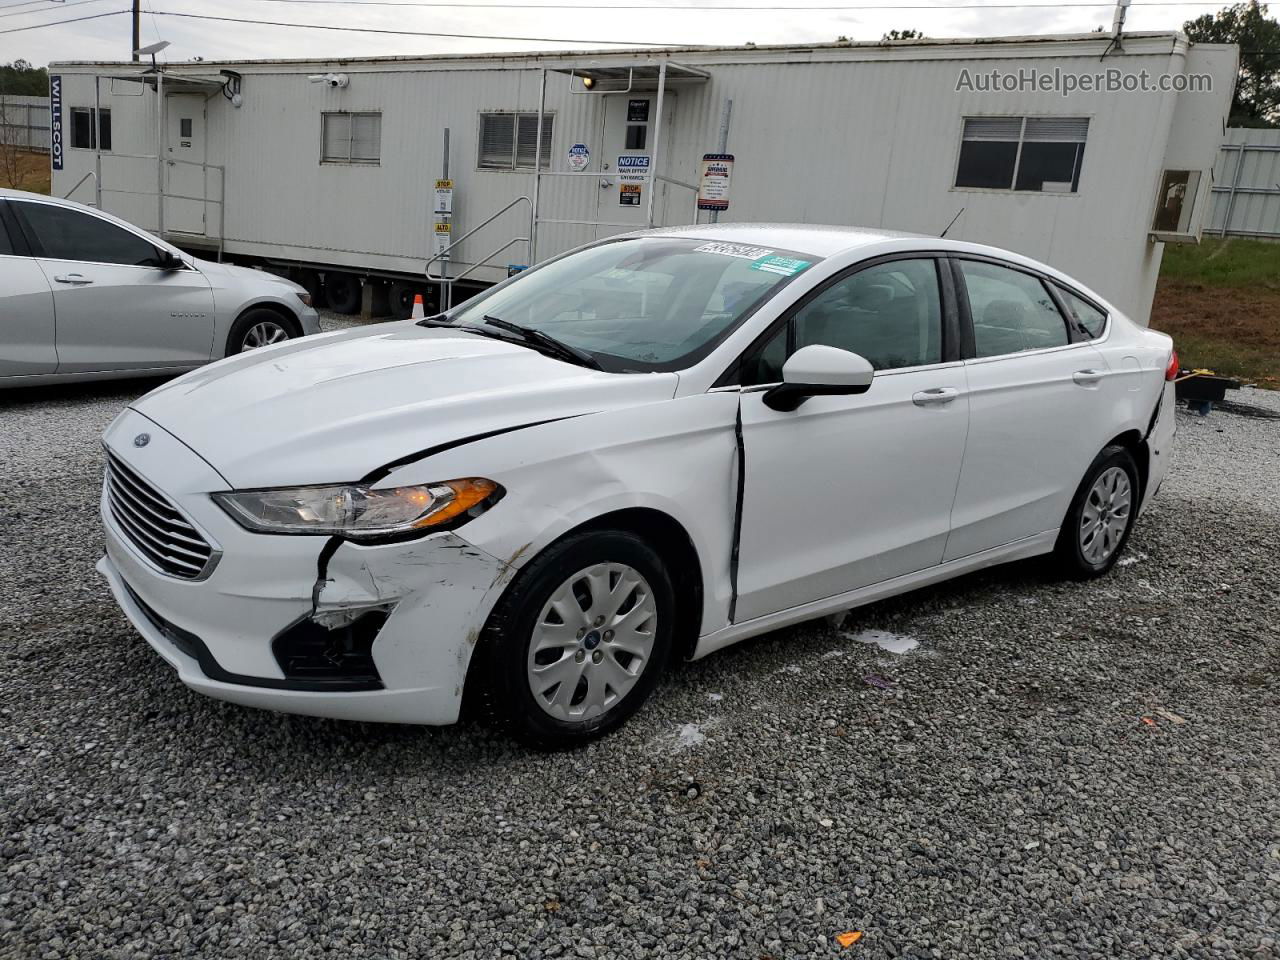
186,177
627,154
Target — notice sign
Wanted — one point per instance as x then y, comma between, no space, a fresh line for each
55,121
444,196
629,195
579,157
443,235
713,186
633,168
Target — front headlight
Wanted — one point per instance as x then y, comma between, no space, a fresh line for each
358,512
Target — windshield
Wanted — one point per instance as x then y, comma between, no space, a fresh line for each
652,303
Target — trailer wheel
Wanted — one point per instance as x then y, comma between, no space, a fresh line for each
401,294
310,281
342,290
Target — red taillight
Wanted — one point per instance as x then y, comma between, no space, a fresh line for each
1171,371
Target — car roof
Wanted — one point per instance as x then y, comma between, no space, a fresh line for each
817,239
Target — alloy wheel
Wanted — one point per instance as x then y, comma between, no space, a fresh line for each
263,334
1105,515
592,641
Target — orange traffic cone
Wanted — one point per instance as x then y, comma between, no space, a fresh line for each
418,311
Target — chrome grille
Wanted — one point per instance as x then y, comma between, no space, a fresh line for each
154,526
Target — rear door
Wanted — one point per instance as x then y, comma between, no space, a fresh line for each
114,308
26,307
628,153
186,177
1037,410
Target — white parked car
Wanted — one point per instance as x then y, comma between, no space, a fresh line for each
651,447
85,295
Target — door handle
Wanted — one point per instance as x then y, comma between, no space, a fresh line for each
75,279
935,397
1087,378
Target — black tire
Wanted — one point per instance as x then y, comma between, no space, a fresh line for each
503,690
342,291
256,318
310,281
1070,552
400,299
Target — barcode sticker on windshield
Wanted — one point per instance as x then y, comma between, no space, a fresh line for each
787,266
742,250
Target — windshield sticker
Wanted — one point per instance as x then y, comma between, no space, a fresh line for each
787,266
743,251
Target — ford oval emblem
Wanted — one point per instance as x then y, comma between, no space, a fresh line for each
142,439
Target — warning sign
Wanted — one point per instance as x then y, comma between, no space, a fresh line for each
444,196
443,237
713,186
629,195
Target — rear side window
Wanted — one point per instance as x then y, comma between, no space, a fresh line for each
66,234
6,245
1012,311
1086,314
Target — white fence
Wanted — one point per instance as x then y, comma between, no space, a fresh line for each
1246,185
24,122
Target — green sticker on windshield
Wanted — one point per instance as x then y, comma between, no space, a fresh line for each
787,266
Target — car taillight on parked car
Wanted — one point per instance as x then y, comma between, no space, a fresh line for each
1171,371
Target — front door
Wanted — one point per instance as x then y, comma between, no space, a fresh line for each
186,179
1037,411
849,491
627,154
115,309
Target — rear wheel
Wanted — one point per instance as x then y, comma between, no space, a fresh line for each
342,290
578,642
259,328
1101,516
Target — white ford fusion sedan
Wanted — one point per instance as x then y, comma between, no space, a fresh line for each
651,447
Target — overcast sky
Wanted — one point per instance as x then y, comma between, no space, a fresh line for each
107,38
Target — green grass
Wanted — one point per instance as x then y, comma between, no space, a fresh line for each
1220,300
1232,262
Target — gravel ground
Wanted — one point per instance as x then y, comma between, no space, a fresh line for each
993,791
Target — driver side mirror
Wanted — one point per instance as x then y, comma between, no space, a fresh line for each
819,370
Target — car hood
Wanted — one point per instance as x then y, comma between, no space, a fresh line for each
335,407
228,274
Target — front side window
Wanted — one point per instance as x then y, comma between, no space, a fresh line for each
1012,311
351,138
890,314
657,303
1089,317
65,234
509,141
82,129
1038,154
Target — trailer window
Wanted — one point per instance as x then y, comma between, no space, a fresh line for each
508,141
1036,154
82,132
351,138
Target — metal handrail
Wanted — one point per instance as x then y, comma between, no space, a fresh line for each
447,282
91,173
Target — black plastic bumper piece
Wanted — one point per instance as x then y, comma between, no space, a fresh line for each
192,646
310,653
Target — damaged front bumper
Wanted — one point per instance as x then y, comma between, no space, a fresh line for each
296,623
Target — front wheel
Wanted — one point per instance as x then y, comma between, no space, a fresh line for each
259,328
1101,516
578,642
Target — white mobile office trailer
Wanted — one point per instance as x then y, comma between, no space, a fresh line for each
329,169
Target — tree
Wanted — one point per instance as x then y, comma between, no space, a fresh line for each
1257,98
903,35
21,79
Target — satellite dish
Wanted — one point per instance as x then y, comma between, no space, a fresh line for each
151,50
